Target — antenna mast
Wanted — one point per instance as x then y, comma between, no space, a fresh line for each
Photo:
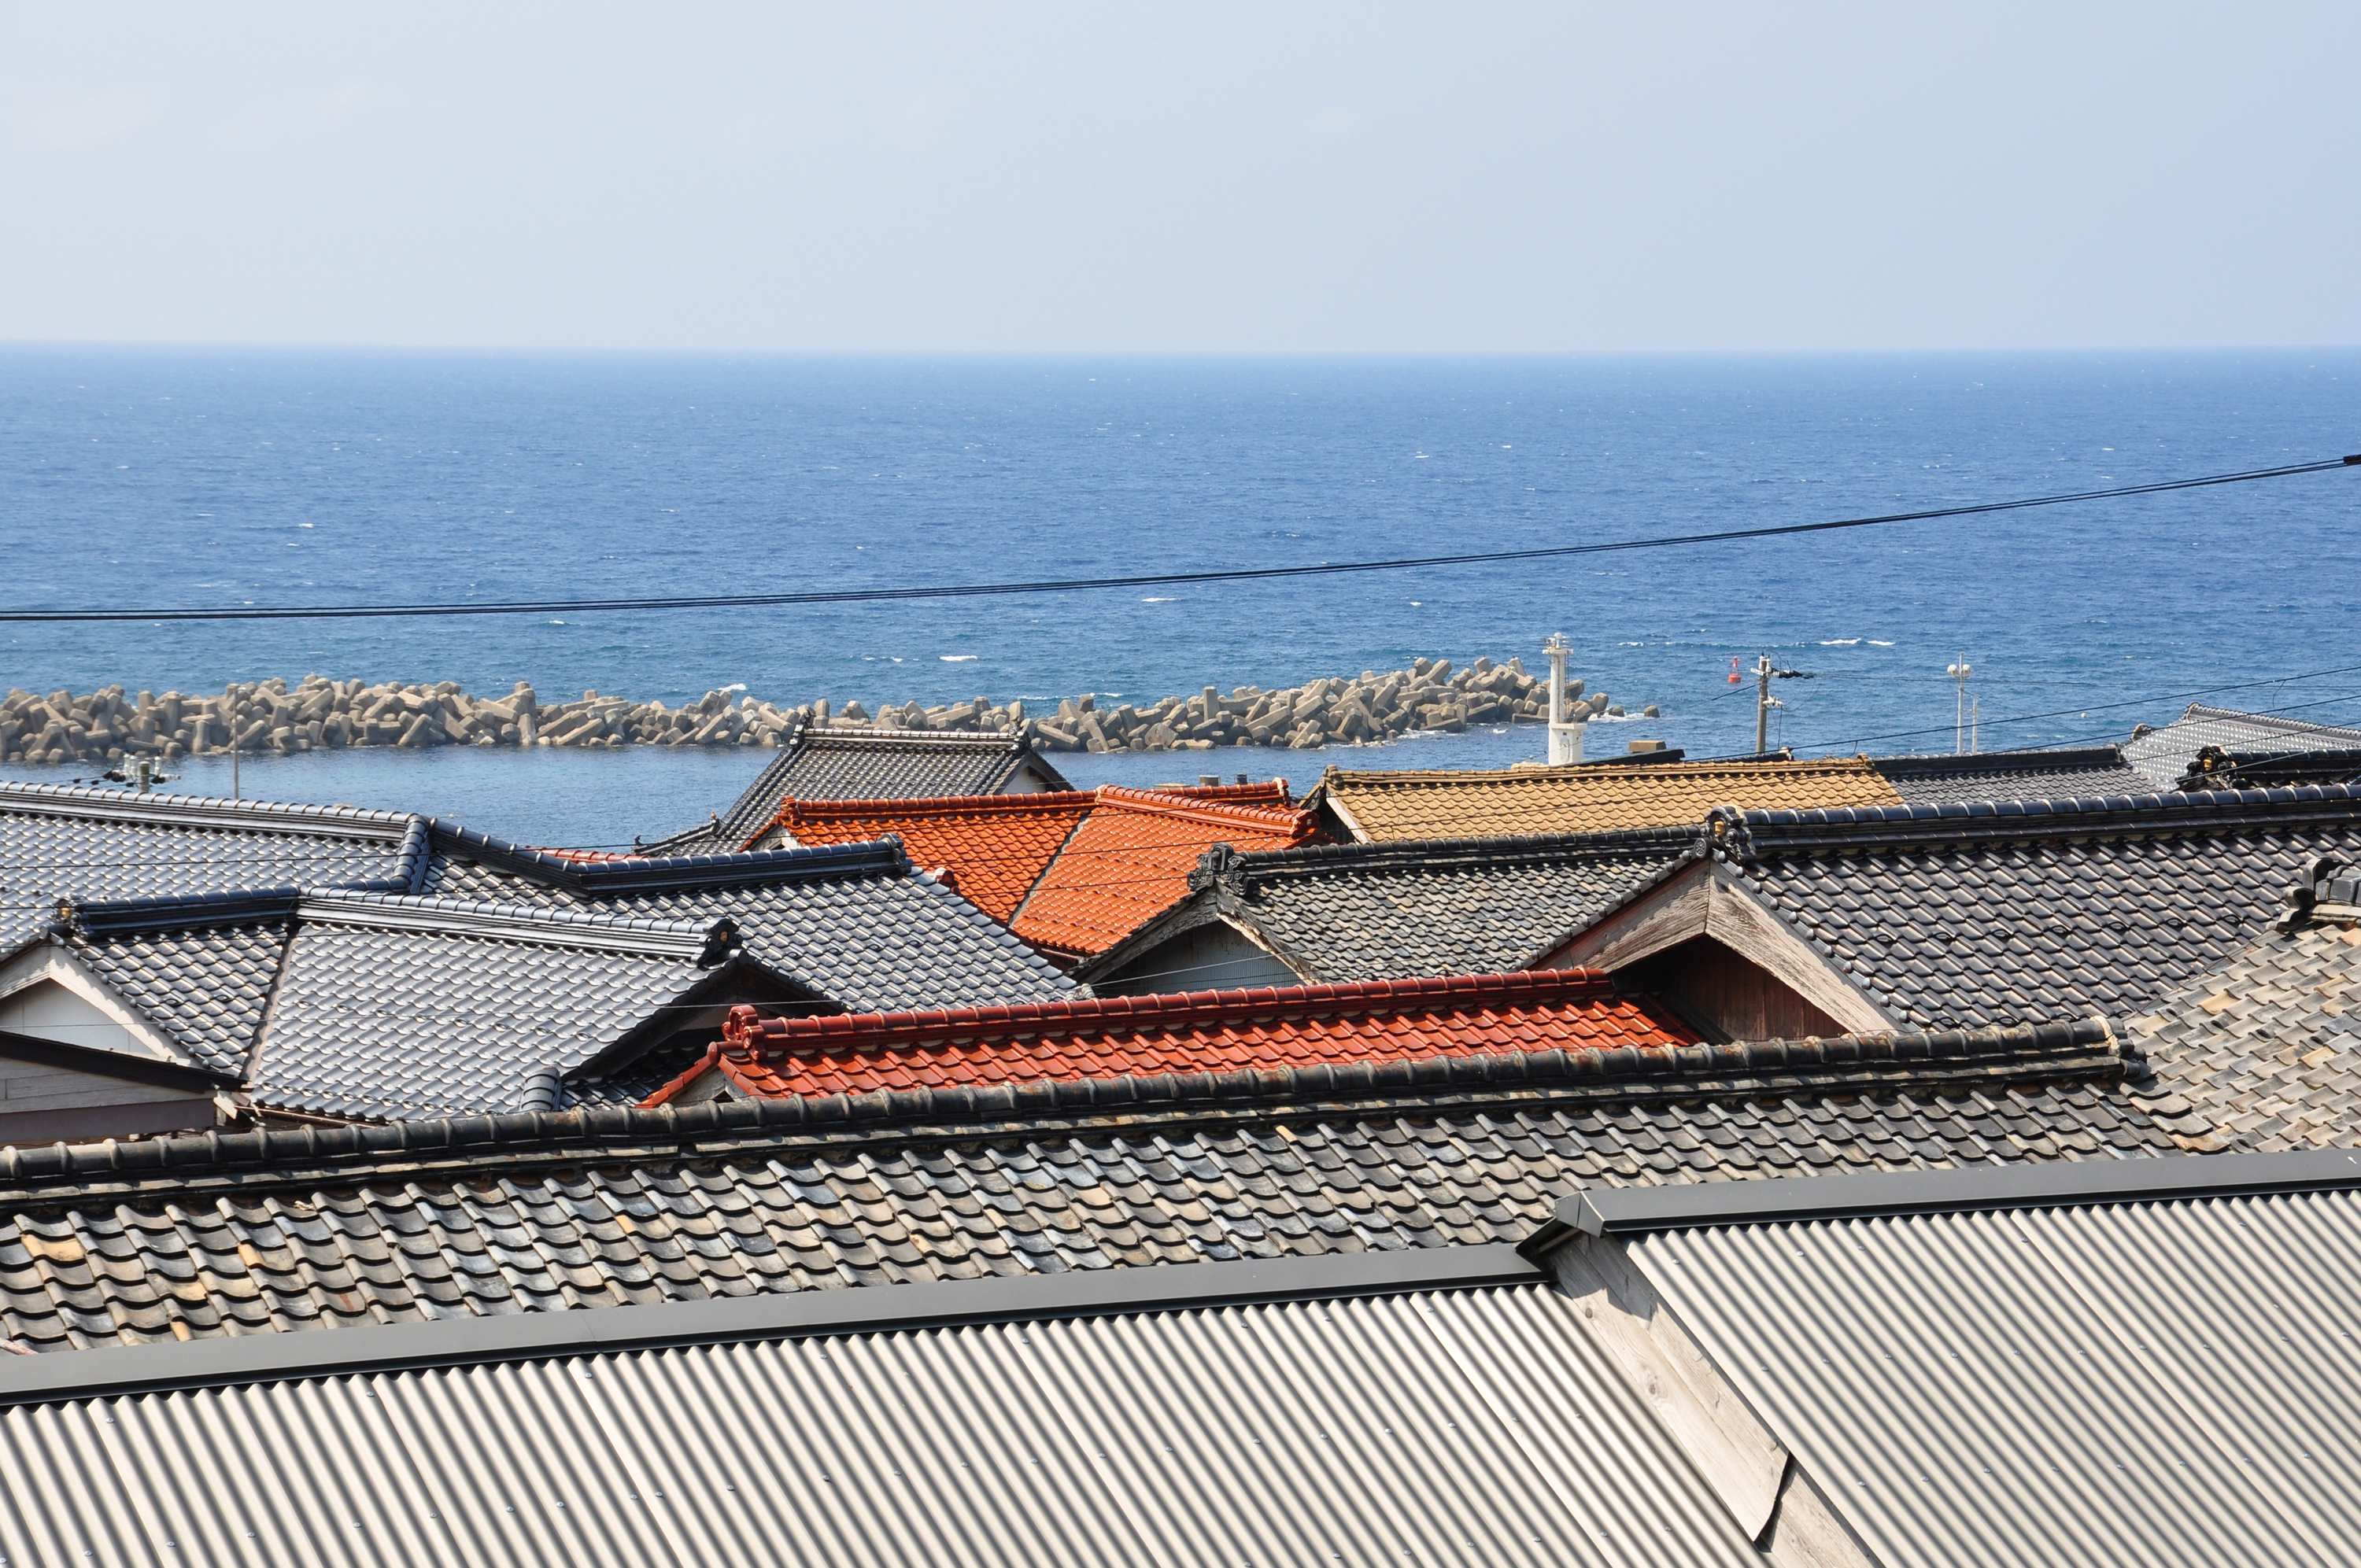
1959,671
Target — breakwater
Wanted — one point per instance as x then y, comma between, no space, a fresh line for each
272,718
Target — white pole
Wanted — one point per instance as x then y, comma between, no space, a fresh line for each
1959,671
1564,739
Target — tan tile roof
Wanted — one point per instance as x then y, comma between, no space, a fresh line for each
1388,805
2266,1046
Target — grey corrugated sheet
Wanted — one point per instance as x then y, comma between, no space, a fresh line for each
1474,1425
2137,1383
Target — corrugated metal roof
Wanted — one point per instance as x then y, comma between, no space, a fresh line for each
1468,1425
2155,1381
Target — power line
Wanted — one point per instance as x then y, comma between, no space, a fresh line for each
1160,579
2085,709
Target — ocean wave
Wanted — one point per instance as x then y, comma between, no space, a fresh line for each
955,658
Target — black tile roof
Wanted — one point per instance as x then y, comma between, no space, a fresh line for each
387,1005
2064,774
418,1007
342,1004
85,845
1410,909
867,764
435,971
204,986
2164,755
851,923
1969,916
135,1242
2214,769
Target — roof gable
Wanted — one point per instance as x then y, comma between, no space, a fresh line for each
1581,799
1130,859
205,986
827,763
1972,915
853,923
996,846
404,1007
1372,911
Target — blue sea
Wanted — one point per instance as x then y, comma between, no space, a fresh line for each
198,477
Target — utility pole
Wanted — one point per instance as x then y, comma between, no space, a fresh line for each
1960,671
1763,703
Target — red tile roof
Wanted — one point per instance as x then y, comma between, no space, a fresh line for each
1130,860
995,846
1208,1031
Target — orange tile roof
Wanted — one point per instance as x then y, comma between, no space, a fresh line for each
1369,1022
1515,801
995,846
1130,860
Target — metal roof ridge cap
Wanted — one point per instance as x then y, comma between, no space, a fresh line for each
494,920
1010,740
2161,808
2028,1185
1388,854
202,811
2002,762
640,874
2273,721
270,1358
236,906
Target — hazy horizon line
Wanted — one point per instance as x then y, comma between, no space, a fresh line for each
214,346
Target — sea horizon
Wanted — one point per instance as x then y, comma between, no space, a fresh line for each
188,474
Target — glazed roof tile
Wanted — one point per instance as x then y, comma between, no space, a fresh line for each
1523,801
1352,912
2066,774
1130,859
205,987
255,1234
1210,1031
411,1007
346,1004
79,844
2164,755
869,765
996,846
851,923
1963,917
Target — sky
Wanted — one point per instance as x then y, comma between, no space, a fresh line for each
1199,178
